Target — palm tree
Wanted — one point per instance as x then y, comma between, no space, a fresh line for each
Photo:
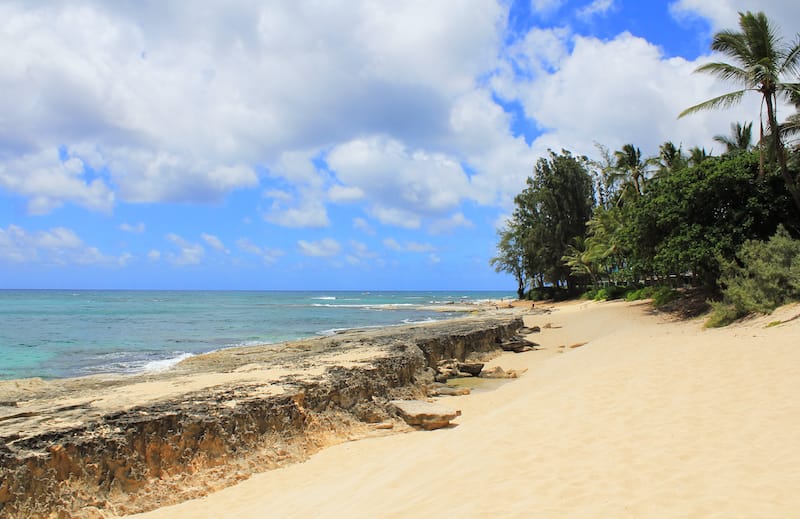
759,62
670,159
630,166
697,155
739,139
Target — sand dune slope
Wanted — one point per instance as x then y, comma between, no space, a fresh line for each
649,419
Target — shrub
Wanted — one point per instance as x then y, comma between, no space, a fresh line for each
723,314
589,294
664,295
768,277
609,292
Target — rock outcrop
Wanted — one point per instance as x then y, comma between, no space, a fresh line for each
426,415
102,446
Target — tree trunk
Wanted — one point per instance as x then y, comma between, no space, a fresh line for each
777,145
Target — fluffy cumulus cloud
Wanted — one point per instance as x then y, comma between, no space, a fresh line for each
373,112
724,14
618,91
56,246
185,102
401,184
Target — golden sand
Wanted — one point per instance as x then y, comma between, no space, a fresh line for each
649,418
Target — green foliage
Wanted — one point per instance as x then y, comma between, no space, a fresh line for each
605,293
695,216
664,295
639,293
552,211
722,314
511,255
768,277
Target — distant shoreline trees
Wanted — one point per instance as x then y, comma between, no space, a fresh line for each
676,218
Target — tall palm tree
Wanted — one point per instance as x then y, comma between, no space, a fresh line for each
760,62
630,165
740,138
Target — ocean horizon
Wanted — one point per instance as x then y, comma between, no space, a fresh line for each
72,333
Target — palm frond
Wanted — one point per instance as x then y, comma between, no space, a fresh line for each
731,43
725,71
724,101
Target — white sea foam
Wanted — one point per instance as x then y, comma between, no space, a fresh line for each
165,364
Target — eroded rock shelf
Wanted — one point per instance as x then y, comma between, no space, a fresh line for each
105,446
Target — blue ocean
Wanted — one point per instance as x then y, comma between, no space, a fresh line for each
68,333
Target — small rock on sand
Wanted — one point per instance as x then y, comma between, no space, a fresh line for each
425,414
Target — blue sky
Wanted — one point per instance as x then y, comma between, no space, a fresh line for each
345,145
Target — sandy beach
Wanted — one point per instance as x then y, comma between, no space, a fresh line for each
621,413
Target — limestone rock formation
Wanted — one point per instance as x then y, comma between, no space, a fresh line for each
119,445
425,414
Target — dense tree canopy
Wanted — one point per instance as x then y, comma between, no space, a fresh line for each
677,217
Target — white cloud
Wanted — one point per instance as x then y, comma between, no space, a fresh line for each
400,184
268,255
596,7
48,181
546,6
132,228
154,255
363,225
449,224
624,90
304,210
724,14
408,246
345,194
188,253
321,248
362,255
214,242
56,246
181,103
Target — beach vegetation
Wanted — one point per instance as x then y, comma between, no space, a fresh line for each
550,214
628,225
764,276
759,61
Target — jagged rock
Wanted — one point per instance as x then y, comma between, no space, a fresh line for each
445,390
424,414
452,368
370,412
517,346
498,372
472,368
113,454
527,331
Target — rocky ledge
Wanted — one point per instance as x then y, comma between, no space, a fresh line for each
114,445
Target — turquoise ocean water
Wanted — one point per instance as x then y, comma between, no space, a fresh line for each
63,333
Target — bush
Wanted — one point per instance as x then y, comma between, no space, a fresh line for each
664,295
640,293
608,293
768,277
723,314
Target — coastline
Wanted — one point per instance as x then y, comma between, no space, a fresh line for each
112,444
622,413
